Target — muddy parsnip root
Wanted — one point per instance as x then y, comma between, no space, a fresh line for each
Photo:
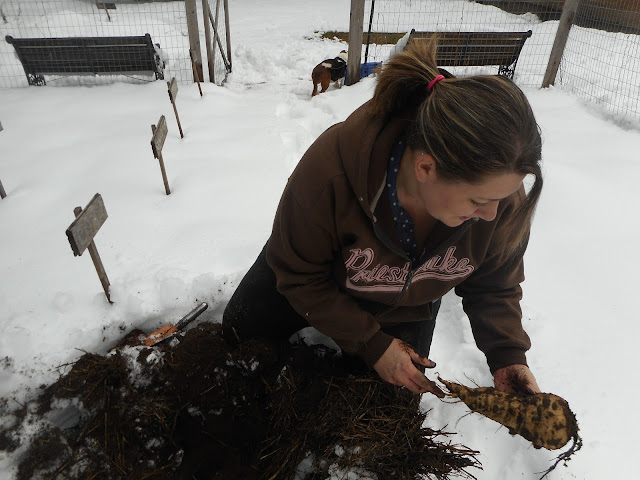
544,419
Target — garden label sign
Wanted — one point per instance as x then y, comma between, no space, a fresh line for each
106,6
81,232
195,69
157,142
173,93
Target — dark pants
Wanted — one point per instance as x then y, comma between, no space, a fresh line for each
258,310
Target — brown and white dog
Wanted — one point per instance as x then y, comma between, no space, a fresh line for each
331,70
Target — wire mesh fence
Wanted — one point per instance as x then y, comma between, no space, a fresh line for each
401,16
74,62
149,39
601,61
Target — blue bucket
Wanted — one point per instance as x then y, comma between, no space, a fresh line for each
366,69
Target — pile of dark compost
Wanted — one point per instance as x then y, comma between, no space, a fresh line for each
194,407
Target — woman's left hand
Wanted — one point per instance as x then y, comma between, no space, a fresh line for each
516,379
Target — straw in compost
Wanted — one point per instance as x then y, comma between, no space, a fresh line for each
195,408
347,418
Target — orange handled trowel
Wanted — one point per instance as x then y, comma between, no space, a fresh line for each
169,330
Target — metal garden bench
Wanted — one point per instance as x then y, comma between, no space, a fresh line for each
87,56
459,49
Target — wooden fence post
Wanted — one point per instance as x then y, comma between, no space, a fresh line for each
356,29
366,50
207,35
228,32
566,20
194,38
81,232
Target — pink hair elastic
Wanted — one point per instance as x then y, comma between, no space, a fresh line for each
433,82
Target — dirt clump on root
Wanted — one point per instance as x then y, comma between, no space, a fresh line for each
194,407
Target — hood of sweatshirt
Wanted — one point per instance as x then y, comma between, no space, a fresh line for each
365,161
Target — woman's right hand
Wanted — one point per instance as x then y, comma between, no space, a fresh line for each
396,366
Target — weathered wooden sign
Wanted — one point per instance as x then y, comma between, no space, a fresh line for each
82,231
173,93
157,142
106,7
173,89
85,226
159,136
2,192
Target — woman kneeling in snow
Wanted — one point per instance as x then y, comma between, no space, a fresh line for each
418,192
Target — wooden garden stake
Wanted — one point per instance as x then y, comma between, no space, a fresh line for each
195,70
81,232
2,192
173,93
157,142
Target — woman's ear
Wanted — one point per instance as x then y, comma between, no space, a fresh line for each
425,167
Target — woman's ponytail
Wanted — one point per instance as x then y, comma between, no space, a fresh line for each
404,80
473,127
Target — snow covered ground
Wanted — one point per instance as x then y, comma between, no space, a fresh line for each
164,254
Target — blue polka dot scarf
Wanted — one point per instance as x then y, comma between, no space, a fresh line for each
404,222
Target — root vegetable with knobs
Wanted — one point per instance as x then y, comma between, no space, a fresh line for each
544,419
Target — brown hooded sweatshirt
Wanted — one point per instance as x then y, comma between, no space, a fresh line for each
337,257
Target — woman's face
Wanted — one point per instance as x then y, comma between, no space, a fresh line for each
455,202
